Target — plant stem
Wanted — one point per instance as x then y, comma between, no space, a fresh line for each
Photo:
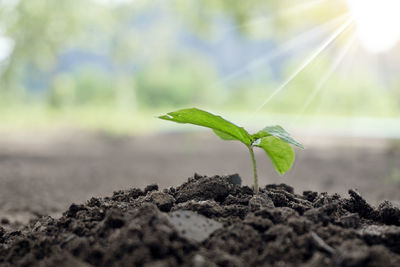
253,161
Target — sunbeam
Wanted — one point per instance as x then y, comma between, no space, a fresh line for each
343,74
324,45
328,74
303,7
284,48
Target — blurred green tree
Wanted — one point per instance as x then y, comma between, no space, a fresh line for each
38,30
146,66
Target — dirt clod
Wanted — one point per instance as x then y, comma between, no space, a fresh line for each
193,226
149,188
4,221
260,201
163,201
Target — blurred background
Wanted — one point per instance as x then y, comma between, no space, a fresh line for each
82,81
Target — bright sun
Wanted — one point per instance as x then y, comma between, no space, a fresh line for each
378,23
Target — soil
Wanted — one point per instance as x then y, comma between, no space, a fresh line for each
43,173
211,221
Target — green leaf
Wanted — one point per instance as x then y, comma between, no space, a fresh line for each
223,135
260,134
280,152
279,132
223,128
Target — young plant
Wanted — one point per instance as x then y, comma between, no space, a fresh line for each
274,140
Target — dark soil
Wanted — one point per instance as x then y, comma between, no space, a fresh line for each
211,221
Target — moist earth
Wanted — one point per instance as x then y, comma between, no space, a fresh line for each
210,221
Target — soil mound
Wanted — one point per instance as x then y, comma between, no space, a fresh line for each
211,221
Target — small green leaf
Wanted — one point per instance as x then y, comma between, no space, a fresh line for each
280,152
223,128
279,132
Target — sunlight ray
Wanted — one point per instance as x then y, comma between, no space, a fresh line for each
329,73
303,7
324,45
287,46
347,64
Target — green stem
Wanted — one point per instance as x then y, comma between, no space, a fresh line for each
253,161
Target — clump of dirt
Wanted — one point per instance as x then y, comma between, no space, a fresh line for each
211,221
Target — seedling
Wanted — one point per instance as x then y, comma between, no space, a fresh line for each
274,140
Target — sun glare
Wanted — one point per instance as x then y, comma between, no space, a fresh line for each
378,23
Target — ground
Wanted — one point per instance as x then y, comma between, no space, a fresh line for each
211,221
44,173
